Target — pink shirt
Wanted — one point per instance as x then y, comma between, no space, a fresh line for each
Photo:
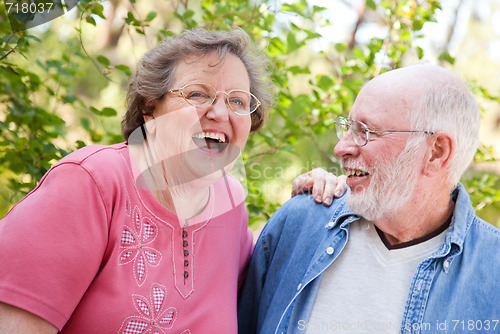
91,253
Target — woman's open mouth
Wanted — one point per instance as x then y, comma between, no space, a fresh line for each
212,142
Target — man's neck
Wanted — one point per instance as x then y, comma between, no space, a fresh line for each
418,218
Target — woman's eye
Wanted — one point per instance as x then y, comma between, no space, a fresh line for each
237,102
197,95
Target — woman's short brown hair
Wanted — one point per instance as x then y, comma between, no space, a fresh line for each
156,70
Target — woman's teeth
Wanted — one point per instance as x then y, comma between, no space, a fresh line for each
211,135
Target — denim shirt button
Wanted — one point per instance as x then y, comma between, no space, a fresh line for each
330,225
446,264
299,286
329,250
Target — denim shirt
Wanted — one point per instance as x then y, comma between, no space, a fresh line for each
455,290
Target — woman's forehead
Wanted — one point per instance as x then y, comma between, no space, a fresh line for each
211,69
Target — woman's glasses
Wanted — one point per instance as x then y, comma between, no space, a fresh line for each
203,95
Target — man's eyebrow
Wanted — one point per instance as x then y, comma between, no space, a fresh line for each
368,124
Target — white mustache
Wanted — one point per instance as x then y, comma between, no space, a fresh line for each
352,164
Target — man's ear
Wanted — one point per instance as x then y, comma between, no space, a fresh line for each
439,153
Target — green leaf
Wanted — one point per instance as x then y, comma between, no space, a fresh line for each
188,14
80,144
325,82
151,16
131,20
33,38
445,56
108,111
299,70
69,99
420,52
371,4
292,42
98,9
318,9
103,60
124,68
359,54
91,20
85,122
405,36
298,8
341,47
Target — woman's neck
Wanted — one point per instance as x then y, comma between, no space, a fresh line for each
185,203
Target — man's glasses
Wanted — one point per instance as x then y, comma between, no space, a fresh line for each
360,131
203,95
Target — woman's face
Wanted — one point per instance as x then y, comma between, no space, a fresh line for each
196,141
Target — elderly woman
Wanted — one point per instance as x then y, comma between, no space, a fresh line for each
151,235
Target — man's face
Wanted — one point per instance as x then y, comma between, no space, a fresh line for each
382,175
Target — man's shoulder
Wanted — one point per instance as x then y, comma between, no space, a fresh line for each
303,213
485,232
470,227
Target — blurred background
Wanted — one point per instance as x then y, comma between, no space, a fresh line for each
63,83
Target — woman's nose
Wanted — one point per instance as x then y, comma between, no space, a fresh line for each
219,111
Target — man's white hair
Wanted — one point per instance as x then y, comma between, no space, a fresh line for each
450,108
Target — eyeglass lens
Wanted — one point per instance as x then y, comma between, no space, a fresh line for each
358,130
203,95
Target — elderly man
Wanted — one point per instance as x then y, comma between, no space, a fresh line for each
403,251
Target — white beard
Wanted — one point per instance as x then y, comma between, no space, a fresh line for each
391,186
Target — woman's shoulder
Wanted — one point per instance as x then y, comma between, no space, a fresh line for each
95,154
106,164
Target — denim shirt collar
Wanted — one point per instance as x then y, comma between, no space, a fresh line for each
342,216
459,227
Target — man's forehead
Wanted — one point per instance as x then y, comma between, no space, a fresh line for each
375,112
379,104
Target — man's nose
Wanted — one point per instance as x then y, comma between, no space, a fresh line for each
346,146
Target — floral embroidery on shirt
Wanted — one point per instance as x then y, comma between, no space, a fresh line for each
135,240
154,316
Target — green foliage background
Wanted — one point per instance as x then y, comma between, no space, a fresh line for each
62,86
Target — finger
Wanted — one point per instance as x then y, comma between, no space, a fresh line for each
341,186
329,190
301,184
319,178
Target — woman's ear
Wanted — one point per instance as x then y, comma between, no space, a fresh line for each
149,118
150,125
439,154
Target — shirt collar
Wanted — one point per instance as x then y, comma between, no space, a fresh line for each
461,219
459,226
342,215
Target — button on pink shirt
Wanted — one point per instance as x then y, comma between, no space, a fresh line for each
91,253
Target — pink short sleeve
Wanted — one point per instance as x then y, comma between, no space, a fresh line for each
52,244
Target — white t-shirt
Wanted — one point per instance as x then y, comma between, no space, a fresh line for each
366,288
